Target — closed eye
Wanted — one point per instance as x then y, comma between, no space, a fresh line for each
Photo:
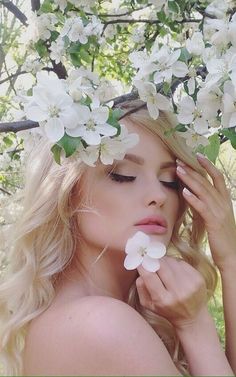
121,178
173,185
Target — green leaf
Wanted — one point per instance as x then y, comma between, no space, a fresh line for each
75,59
69,144
185,55
166,88
113,118
41,48
212,150
56,150
46,7
85,56
173,6
230,133
8,141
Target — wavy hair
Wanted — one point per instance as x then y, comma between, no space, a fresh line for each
46,235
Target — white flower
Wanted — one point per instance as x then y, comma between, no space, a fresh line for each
155,101
141,250
75,30
92,124
144,62
210,101
220,69
195,45
52,107
193,139
189,112
57,49
168,65
40,27
228,118
94,27
109,149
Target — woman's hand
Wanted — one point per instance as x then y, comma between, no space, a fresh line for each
213,203
177,292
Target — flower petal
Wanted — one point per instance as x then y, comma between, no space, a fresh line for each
34,112
54,129
156,250
140,239
132,261
150,264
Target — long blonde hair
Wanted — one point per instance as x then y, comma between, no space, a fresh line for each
45,243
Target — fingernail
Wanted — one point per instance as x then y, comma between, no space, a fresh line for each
187,192
179,162
181,170
201,156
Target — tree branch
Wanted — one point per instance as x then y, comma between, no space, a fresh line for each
5,191
18,126
15,10
35,5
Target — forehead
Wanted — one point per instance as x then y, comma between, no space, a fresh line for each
150,144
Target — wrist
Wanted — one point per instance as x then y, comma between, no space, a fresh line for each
228,266
200,322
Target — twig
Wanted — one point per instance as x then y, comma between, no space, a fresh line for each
18,126
5,191
15,10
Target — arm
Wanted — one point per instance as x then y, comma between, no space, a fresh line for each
202,347
178,293
228,277
213,203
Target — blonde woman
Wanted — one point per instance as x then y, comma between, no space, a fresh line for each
69,307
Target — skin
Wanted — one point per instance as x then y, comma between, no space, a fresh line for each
126,204
213,202
89,324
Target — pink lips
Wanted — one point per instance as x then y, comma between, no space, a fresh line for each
153,225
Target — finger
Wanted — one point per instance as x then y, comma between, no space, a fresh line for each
144,295
199,185
215,174
153,283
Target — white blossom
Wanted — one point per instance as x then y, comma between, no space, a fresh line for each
229,106
155,101
75,30
109,149
193,139
168,65
40,27
190,112
57,49
92,124
52,107
195,45
141,250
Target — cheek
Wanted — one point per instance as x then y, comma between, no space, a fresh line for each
102,222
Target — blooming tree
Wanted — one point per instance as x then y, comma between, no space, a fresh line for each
72,61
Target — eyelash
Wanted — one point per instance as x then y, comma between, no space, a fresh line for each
127,178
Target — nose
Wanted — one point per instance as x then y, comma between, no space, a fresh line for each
155,195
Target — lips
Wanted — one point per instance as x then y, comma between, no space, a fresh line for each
153,225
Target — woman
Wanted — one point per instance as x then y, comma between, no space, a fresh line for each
68,296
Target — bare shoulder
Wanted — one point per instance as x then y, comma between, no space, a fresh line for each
95,336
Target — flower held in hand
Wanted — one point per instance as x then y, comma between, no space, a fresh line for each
141,250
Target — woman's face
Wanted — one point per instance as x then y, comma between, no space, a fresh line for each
129,192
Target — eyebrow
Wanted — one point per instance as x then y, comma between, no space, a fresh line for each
140,161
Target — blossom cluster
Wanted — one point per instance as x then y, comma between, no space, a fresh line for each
207,100
192,75
64,110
